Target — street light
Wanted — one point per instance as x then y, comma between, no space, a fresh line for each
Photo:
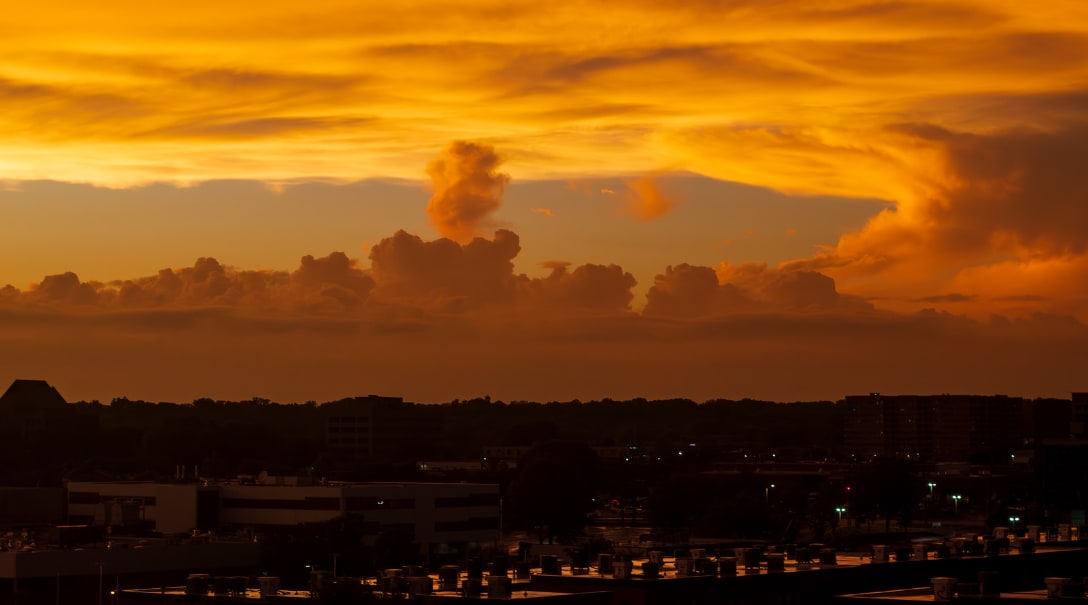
956,503
931,486
767,493
1012,522
840,510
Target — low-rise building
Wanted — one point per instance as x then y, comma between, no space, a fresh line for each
438,515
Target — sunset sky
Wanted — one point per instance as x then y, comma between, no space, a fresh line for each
776,199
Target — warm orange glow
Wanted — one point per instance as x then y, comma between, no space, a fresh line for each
136,138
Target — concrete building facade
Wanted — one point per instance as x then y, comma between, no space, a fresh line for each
438,515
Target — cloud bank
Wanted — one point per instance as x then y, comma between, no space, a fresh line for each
968,117
460,316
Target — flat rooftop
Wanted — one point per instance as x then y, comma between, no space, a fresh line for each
925,594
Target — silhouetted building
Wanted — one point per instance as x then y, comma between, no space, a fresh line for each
934,428
21,506
29,396
1078,426
1061,461
379,427
32,410
28,406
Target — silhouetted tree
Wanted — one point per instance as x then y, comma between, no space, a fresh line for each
554,489
886,488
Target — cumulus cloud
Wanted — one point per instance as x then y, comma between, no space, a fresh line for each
588,287
693,291
451,277
443,272
1006,205
781,287
64,288
406,272
467,189
330,284
334,281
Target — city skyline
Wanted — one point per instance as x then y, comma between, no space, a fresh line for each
436,201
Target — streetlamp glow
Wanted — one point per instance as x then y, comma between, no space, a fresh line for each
956,503
931,486
767,493
840,510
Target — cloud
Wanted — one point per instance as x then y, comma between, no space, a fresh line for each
785,288
229,128
645,199
467,189
327,285
693,291
406,275
331,283
443,273
1005,205
955,297
690,291
223,352
461,316
447,277
587,288
64,288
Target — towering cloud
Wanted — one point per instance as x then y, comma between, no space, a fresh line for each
997,218
467,188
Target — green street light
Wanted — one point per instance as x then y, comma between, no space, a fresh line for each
840,510
956,503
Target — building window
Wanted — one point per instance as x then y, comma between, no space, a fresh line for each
282,504
472,524
357,503
83,498
469,500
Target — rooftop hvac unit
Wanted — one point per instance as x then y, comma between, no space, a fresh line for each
270,586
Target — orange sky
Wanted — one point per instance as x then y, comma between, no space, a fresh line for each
776,199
